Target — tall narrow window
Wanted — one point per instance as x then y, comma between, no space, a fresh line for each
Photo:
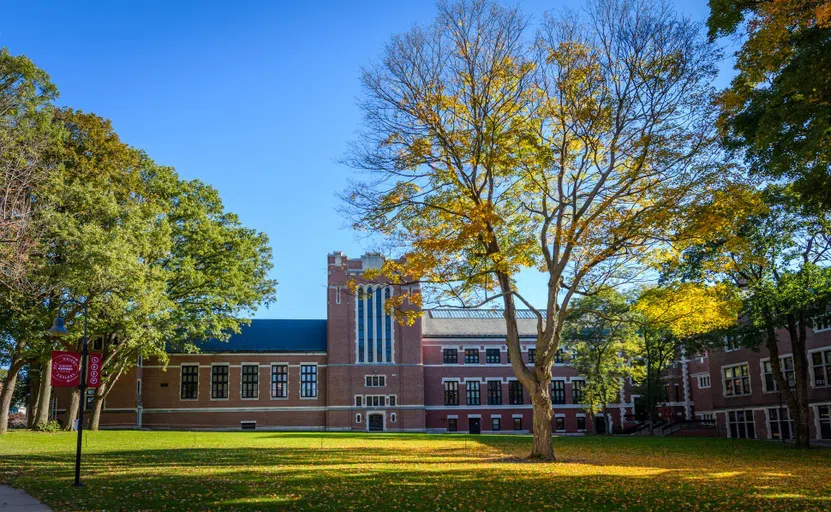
515,394
518,423
741,424
558,392
781,424
190,382
361,322
219,381
279,381
560,424
452,424
379,325
250,381
308,380
375,331
532,354
388,326
494,392
558,356
581,423
451,392
472,390
370,331
577,391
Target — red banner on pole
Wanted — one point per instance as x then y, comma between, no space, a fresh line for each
66,368
94,370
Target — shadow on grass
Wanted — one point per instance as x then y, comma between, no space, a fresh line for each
425,473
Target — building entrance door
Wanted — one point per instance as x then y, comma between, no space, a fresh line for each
600,424
474,424
376,422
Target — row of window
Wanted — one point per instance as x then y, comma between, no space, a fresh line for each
492,356
736,378
496,424
375,400
516,395
250,381
741,424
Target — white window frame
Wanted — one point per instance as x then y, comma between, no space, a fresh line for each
811,367
228,397
257,365
182,365
317,381
700,381
724,379
368,378
288,380
585,423
762,373
560,415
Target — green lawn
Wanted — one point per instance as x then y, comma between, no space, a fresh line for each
262,470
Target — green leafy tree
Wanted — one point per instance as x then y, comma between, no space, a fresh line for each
674,319
602,340
779,253
27,137
776,110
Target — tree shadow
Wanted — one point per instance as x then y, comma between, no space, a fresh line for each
429,473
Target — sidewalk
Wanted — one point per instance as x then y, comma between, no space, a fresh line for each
12,500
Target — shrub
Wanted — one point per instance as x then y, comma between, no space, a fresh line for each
17,420
49,426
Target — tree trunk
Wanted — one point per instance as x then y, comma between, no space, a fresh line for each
72,411
543,445
45,395
796,399
34,391
801,376
98,405
7,393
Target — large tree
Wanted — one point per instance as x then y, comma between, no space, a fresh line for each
158,260
777,109
673,320
601,337
27,137
572,155
779,253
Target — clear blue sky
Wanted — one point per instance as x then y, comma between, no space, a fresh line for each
255,98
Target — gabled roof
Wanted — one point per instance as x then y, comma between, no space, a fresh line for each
273,336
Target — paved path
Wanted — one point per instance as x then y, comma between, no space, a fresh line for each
13,500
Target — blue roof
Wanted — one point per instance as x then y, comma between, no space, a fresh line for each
273,336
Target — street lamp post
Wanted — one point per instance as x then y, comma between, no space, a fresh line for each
58,329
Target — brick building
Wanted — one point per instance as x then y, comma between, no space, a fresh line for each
359,370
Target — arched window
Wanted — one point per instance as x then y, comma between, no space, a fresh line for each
374,342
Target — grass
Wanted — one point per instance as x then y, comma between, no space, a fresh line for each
132,470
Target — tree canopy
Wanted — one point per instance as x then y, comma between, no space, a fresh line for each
572,155
776,110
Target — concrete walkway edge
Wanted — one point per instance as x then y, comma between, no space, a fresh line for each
15,500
